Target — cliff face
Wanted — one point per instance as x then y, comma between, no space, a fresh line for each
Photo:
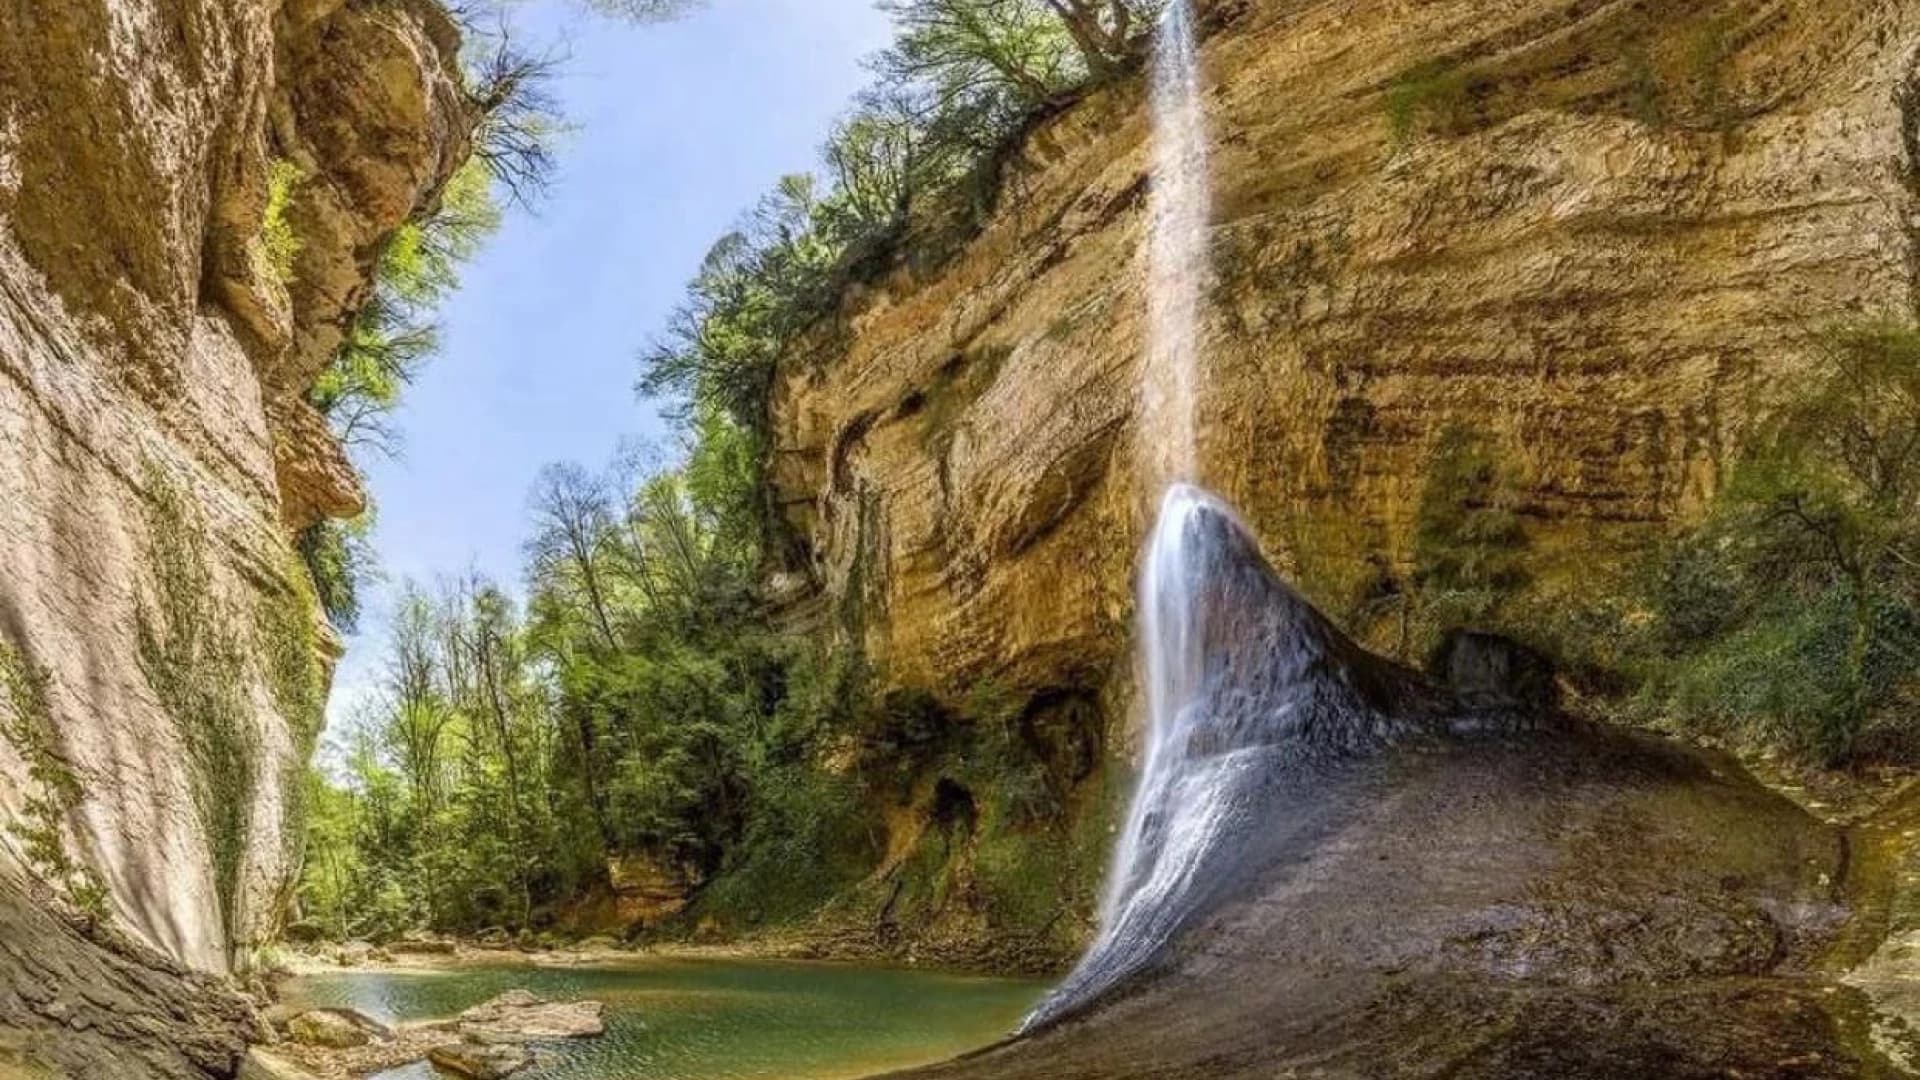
1593,234
157,330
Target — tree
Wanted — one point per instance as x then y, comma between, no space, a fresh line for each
1828,499
1469,543
758,287
419,714
964,47
1792,611
1101,29
645,11
573,535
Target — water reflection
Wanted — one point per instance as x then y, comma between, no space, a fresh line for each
716,1020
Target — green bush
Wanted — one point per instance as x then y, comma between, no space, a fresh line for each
1790,616
1469,545
278,239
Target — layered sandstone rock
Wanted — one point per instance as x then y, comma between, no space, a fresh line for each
152,432
1597,241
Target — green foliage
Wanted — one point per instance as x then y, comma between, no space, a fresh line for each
956,45
288,644
1791,615
962,78
193,659
1709,50
644,11
644,709
757,290
26,724
1644,90
388,341
392,335
278,239
338,557
1469,541
1436,93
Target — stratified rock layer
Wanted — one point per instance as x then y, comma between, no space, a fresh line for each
73,1008
1597,241
152,361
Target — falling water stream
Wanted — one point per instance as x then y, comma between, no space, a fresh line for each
1178,813
1177,264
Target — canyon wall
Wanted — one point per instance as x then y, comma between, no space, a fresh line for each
1595,235
192,196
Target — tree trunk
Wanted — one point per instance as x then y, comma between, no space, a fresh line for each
1100,47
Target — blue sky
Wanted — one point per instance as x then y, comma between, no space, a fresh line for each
680,127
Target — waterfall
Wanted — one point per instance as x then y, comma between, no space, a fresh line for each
1248,691
1180,811
1180,203
1183,806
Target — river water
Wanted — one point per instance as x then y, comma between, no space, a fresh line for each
715,1019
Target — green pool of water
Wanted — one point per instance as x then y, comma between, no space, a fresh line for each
715,1019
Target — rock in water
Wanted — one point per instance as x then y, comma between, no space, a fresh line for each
1386,882
263,1065
339,1029
479,1060
522,1016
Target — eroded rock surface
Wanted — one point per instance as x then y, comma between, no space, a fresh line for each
1594,250
74,1007
152,362
522,1016
1406,884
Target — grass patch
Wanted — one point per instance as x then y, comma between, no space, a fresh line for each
1645,94
1709,53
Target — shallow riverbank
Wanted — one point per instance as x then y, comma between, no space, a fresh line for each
707,1018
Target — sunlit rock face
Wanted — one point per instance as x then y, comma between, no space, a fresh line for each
151,354
1596,261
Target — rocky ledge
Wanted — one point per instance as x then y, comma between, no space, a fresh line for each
491,1040
1444,877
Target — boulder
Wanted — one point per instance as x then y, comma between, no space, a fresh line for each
521,1016
339,1029
278,1015
1488,671
422,945
261,1065
480,1060
304,932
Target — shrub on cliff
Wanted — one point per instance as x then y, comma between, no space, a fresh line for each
1793,610
961,79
